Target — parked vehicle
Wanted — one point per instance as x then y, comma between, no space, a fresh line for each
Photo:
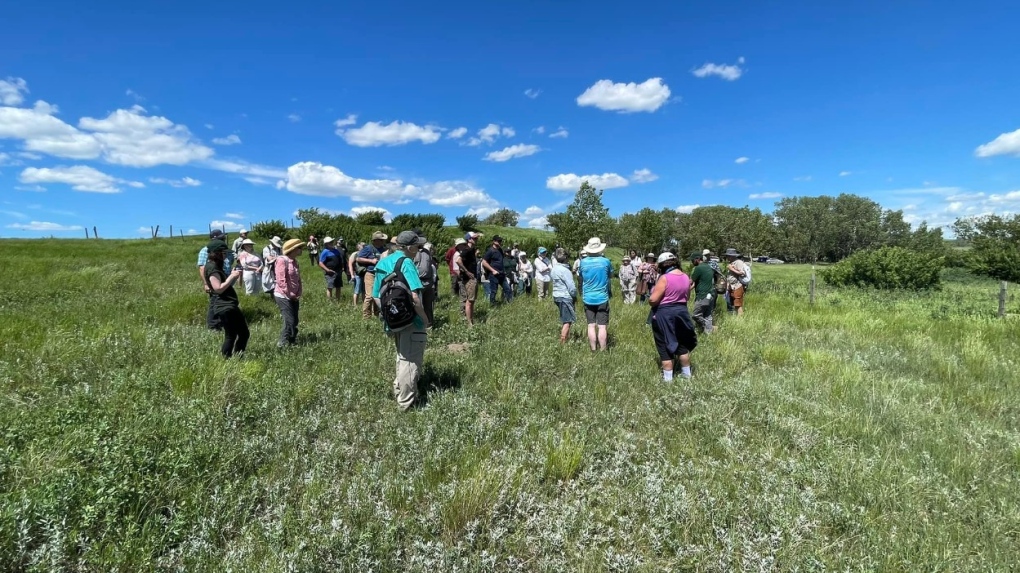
761,259
771,261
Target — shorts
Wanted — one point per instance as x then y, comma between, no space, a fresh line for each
359,285
597,313
567,314
737,295
335,280
468,290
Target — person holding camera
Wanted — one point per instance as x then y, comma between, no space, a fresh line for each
223,303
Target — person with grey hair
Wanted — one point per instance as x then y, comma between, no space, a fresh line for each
564,292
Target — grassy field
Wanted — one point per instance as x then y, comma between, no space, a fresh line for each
869,432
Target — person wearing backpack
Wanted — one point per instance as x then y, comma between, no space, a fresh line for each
737,273
397,291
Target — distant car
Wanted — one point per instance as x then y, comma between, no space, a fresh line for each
771,261
761,260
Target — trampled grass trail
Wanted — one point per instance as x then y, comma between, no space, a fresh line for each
867,432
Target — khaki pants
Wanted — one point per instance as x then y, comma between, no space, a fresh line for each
629,287
410,344
369,308
543,288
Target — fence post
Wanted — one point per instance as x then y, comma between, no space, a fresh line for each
812,290
156,232
86,232
171,231
95,233
1002,300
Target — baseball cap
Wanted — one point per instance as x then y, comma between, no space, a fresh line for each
497,239
459,242
217,245
408,238
216,233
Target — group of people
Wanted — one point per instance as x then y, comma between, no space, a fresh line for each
659,280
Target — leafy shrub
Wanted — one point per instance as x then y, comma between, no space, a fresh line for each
503,217
886,268
269,229
467,222
995,245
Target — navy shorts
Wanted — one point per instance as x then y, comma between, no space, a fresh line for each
567,314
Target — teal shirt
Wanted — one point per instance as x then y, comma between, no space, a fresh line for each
384,267
595,274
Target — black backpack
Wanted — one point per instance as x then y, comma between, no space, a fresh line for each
395,300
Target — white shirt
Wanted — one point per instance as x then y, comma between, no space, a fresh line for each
542,269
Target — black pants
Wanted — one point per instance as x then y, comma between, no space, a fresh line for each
428,301
235,331
289,313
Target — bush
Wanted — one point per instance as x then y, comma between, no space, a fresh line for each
886,268
269,229
467,222
503,217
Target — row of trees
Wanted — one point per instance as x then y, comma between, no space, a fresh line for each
807,229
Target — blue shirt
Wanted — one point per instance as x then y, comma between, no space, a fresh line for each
228,259
562,282
331,252
369,252
596,272
385,267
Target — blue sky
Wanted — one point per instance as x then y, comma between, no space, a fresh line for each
125,116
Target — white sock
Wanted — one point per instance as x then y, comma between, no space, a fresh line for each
685,371
667,375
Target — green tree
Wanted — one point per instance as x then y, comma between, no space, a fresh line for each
467,222
719,227
586,217
646,231
371,218
503,217
995,245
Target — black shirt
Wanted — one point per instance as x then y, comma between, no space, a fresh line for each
468,258
226,299
494,257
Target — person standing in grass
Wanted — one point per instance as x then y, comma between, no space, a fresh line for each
454,277
492,263
288,291
269,254
251,264
223,299
331,262
542,272
647,277
313,250
203,258
242,236
525,270
564,292
355,276
672,327
628,281
596,275
465,261
703,283
410,340
510,270
736,270
426,266
368,257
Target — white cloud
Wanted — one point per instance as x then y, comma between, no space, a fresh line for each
29,155
538,223
44,226
4,158
244,168
294,118
572,182
457,133
769,195
12,91
258,180
15,214
238,216
227,226
512,152
626,98
1005,144
375,134
312,178
179,183
560,133
728,72
845,173
79,177
481,212
209,126
643,176
351,119
533,211
723,183
231,139
532,93
687,208
42,131
360,209
803,178
539,130
490,133
456,194
129,137
741,160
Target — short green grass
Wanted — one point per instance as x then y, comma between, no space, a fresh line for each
866,432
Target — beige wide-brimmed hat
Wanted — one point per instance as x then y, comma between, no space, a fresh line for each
292,245
594,246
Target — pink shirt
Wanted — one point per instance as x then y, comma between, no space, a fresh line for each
677,288
288,281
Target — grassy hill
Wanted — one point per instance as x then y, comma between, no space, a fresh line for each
867,432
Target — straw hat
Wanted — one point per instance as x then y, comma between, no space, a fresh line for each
292,245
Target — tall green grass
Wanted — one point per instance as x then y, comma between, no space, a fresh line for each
870,431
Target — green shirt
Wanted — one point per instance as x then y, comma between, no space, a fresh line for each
384,267
509,265
704,280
